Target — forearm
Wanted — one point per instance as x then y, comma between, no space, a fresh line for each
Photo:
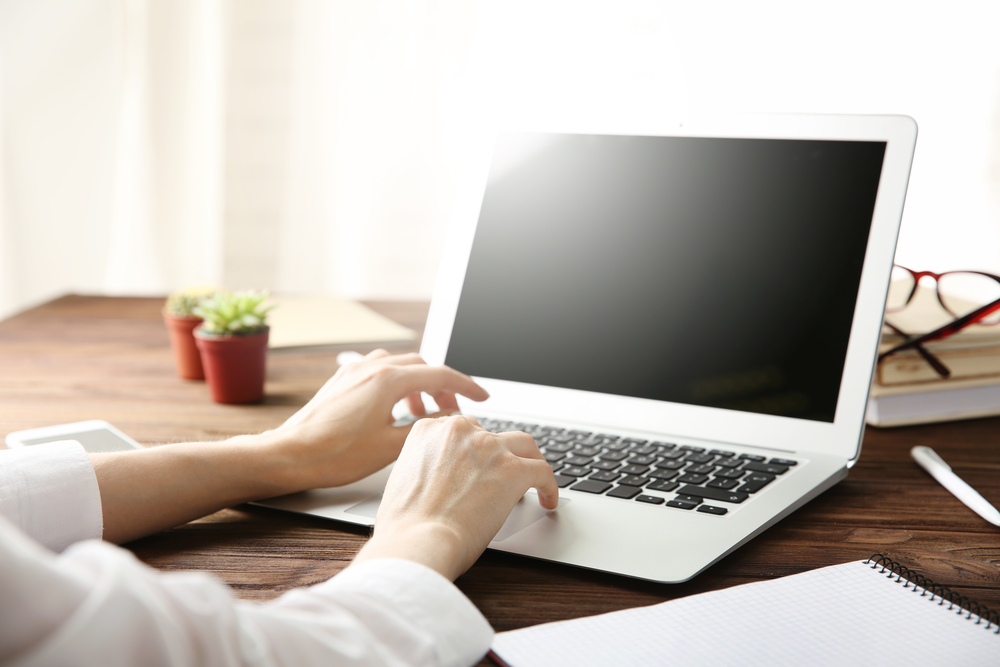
147,491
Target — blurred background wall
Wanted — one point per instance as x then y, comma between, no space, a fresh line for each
313,145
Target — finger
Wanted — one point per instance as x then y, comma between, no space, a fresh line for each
444,414
377,354
520,444
539,476
437,379
416,405
446,401
404,359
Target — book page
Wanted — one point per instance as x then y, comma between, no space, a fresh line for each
847,614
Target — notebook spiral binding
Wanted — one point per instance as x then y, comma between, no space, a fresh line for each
942,593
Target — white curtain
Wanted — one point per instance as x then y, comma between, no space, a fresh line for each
314,145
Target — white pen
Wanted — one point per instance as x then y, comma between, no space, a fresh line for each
941,471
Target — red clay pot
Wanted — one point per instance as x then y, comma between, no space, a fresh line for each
234,365
186,356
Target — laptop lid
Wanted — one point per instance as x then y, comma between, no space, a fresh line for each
721,279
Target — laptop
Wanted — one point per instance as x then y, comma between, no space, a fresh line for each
684,317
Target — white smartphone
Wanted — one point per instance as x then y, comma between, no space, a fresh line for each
95,435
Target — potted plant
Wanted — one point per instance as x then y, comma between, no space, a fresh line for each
179,316
233,344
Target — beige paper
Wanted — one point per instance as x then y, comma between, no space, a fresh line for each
298,321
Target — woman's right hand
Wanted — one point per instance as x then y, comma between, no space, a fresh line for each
452,489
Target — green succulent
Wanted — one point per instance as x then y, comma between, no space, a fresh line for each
239,313
183,302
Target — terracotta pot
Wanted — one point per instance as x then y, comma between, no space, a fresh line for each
234,365
186,356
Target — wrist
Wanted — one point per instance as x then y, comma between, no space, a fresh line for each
265,464
436,545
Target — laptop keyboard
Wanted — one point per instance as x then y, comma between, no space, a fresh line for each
682,477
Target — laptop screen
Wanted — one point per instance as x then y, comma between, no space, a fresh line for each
705,271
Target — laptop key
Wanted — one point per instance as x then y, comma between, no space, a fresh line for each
605,476
730,463
613,456
756,482
670,465
559,447
664,485
652,500
691,448
634,441
587,451
615,446
563,480
642,460
624,491
605,465
662,445
555,465
684,498
751,457
701,469
722,483
580,434
712,509
635,470
723,453
714,494
578,460
575,471
693,479
645,450
663,474
681,505
766,467
730,473
634,480
561,437
699,458
783,462
591,486
552,457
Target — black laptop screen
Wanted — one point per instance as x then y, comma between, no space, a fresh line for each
704,271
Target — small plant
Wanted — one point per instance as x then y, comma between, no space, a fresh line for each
236,313
183,302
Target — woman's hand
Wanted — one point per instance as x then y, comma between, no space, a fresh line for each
452,489
343,434
346,432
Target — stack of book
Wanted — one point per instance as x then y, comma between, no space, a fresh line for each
907,390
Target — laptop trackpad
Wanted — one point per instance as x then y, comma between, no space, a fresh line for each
526,512
368,508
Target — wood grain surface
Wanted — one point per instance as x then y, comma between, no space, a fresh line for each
83,357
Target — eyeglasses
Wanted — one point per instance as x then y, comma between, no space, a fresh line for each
971,297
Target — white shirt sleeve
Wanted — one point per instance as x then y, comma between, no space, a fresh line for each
50,492
97,604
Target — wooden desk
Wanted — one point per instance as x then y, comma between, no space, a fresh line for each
82,357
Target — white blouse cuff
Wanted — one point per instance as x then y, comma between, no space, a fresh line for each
431,602
50,491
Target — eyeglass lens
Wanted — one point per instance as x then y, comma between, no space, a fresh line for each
900,289
960,292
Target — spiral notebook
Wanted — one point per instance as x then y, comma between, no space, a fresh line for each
873,612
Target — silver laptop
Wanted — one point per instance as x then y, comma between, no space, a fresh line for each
685,318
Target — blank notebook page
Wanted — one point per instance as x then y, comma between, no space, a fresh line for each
847,614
